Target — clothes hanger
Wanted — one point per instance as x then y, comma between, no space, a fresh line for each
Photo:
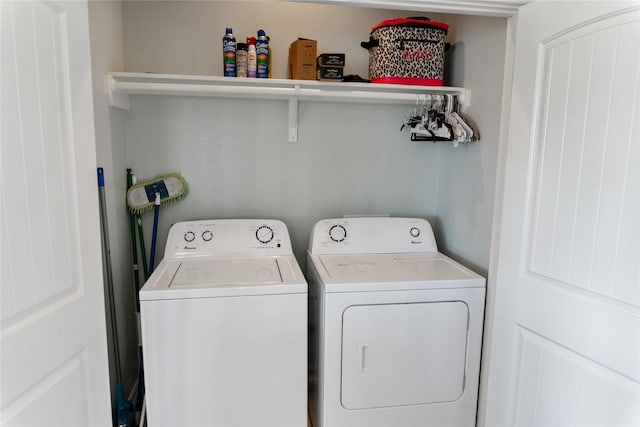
439,120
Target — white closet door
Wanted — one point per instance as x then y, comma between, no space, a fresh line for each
54,365
565,336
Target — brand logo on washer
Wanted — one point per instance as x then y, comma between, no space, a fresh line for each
413,242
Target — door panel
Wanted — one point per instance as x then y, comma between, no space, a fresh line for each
37,166
583,142
565,335
562,387
54,355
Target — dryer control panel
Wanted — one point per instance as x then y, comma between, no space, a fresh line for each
364,235
228,238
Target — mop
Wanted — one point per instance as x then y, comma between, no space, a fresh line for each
141,197
154,193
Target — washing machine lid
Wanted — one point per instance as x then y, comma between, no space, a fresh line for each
401,271
221,277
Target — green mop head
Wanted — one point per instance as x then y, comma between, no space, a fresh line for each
141,197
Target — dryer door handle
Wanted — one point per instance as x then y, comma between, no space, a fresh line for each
365,356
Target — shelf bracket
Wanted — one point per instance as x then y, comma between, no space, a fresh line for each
293,115
115,99
465,100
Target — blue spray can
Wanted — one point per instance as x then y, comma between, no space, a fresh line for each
229,53
262,53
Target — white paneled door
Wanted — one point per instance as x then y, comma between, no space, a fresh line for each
54,368
564,346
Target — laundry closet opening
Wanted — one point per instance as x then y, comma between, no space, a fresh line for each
351,158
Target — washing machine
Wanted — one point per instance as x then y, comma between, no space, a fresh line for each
396,326
224,328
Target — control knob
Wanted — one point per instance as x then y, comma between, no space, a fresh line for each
264,234
337,233
189,236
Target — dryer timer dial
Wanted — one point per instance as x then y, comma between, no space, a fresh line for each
337,233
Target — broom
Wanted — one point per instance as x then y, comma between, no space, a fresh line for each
123,412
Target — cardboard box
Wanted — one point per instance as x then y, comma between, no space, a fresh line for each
302,59
331,60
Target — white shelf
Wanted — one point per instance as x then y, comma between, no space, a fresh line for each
120,85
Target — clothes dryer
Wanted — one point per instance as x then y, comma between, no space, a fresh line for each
396,326
224,328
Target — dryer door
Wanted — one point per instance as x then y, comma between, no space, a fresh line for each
403,354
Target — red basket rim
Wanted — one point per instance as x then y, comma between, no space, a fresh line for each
399,21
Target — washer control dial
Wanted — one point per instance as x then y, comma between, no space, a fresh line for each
264,234
337,233
415,231
189,236
207,235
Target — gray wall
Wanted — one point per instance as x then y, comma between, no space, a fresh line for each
467,174
236,158
185,37
351,158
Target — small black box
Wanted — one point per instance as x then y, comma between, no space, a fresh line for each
331,60
329,73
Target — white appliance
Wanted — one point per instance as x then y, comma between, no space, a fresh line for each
396,326
224,327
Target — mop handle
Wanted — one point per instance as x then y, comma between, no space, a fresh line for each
156,214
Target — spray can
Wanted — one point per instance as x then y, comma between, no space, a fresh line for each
242,53
252,59
229,53
270,57
262,50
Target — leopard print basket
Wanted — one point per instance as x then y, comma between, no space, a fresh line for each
407,51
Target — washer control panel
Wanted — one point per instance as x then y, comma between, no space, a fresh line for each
264,234
228,237
372,235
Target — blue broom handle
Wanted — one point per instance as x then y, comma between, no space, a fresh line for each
156,214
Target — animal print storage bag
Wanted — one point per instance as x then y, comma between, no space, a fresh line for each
407,51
